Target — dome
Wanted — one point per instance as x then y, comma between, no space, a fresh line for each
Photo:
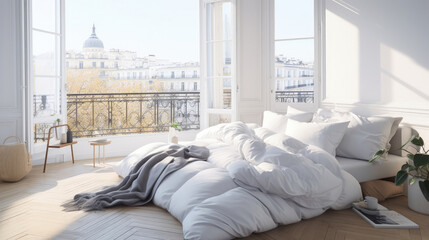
93,41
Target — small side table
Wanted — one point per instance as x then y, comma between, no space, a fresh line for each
99,144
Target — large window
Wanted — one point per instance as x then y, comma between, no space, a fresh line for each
219,49
294,49
120,78
47,64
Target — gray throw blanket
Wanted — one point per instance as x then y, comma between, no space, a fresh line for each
139,187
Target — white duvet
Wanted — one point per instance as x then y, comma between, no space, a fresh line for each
253,181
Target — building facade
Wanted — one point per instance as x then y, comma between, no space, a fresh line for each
124,69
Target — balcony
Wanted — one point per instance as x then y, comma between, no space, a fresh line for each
295,96
92,115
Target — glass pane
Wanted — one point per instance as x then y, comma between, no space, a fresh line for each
294,19
219,59
219,21
219,93
44,54
294,70
44,14
219,118
46,98
41,132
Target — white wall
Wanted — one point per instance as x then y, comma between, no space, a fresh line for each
377,58
11,75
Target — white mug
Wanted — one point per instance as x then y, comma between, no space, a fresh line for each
63,138
371,202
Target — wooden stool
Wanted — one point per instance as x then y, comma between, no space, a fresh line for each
99,144
61,145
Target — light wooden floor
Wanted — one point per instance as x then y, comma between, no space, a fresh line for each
30,209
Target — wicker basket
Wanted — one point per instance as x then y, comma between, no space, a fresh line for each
15,161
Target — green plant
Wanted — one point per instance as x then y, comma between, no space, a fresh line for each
176,126
417,167
58,120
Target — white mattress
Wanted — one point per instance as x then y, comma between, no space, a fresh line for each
364,171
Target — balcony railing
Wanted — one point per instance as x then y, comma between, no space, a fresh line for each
91,115
295,96
125,113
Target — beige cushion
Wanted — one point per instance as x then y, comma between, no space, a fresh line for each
381,189
403,134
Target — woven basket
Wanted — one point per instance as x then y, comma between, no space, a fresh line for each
15,161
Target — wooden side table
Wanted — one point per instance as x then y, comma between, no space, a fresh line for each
99,144
61,145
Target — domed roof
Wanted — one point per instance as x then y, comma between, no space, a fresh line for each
93,41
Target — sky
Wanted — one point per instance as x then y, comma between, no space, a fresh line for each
294,19
168,29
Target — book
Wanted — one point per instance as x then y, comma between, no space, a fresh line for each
383,217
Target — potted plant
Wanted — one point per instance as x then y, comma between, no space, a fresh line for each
416,170
173,132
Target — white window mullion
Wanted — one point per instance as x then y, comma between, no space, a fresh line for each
48,32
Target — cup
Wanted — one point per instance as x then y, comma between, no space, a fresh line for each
371,202
63,138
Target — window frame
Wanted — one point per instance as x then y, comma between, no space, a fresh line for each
60,76
318,72
204,96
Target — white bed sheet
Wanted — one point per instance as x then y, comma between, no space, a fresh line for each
364,171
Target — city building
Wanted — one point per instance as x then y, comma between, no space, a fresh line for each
124,68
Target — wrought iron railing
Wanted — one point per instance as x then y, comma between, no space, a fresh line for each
295,96
92,115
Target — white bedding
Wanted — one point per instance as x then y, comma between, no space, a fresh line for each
252,182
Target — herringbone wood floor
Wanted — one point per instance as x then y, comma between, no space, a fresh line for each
30,209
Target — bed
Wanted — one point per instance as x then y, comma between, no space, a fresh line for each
250,183
257,178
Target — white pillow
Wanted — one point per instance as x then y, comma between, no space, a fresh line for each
395,126
277,122
326,136
369,133
274,121
327,115
365,136
294,111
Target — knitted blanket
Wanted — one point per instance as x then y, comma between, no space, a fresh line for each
139,187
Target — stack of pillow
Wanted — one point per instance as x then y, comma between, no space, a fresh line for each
343,134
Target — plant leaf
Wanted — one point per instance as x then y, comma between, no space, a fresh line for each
421,160
418,141
412,181
380,152
377,155
400,178
405,166
424,186
410,156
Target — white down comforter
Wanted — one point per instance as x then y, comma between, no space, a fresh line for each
253,181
